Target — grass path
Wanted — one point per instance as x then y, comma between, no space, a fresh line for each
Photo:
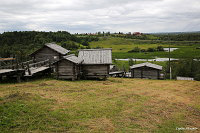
115,105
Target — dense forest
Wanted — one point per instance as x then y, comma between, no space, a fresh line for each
184,68
21,44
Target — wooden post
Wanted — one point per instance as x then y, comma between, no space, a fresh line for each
132,73
141,72
158,74
18,77
57,73
28,68
73,77
22,65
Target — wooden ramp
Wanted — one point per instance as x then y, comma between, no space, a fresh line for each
34,71
37,68
6,71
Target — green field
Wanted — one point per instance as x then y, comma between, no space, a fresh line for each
115,105
121,46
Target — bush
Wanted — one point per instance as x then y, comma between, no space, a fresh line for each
185,68
197,77
151,50
160,48
136,49
143,50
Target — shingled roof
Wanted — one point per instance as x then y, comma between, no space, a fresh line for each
54,47
96,56
73,58
147,64
57,48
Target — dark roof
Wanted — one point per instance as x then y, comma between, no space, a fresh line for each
57,48
73,58
54,47
148,65
96,56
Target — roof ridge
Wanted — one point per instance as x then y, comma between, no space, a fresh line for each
95,49
69,55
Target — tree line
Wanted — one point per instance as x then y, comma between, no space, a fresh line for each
21,43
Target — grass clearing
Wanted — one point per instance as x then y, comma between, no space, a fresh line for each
121,46
115,105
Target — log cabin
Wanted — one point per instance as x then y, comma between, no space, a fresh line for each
50,51
68,67
96,63
146,70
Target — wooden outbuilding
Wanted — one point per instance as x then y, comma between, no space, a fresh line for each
50,51
96,62
146,70
68,67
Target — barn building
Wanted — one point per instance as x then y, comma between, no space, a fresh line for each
68,67
96,62
146,70
50,51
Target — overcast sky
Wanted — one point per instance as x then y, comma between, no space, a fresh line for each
100,15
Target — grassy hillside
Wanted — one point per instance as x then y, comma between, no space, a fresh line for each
121,46
115,105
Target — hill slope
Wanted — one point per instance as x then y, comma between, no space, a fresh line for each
115,105
121,46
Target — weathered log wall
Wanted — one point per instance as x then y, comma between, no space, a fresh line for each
145,72
47,53
95,71
67,70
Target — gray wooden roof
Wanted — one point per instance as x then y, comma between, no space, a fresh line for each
96,56
147,64
73,58
57,48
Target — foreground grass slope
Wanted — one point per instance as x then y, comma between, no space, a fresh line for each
115,105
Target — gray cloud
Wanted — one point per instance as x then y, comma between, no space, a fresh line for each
104,15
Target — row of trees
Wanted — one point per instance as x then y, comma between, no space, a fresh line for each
179,36
185,68
137,49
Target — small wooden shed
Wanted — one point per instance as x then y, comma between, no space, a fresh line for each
50,51
96,62
68,67
146,70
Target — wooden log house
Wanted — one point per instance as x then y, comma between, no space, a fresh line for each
146,70
68,67
96,62
50,51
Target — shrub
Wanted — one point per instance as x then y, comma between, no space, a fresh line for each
143,50
160,48
197,77
136,49
151,50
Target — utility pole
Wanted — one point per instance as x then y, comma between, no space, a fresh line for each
170,70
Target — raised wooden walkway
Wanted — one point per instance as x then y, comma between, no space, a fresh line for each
25,69
17,73
117,74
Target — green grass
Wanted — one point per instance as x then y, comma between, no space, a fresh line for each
115,105
121,47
